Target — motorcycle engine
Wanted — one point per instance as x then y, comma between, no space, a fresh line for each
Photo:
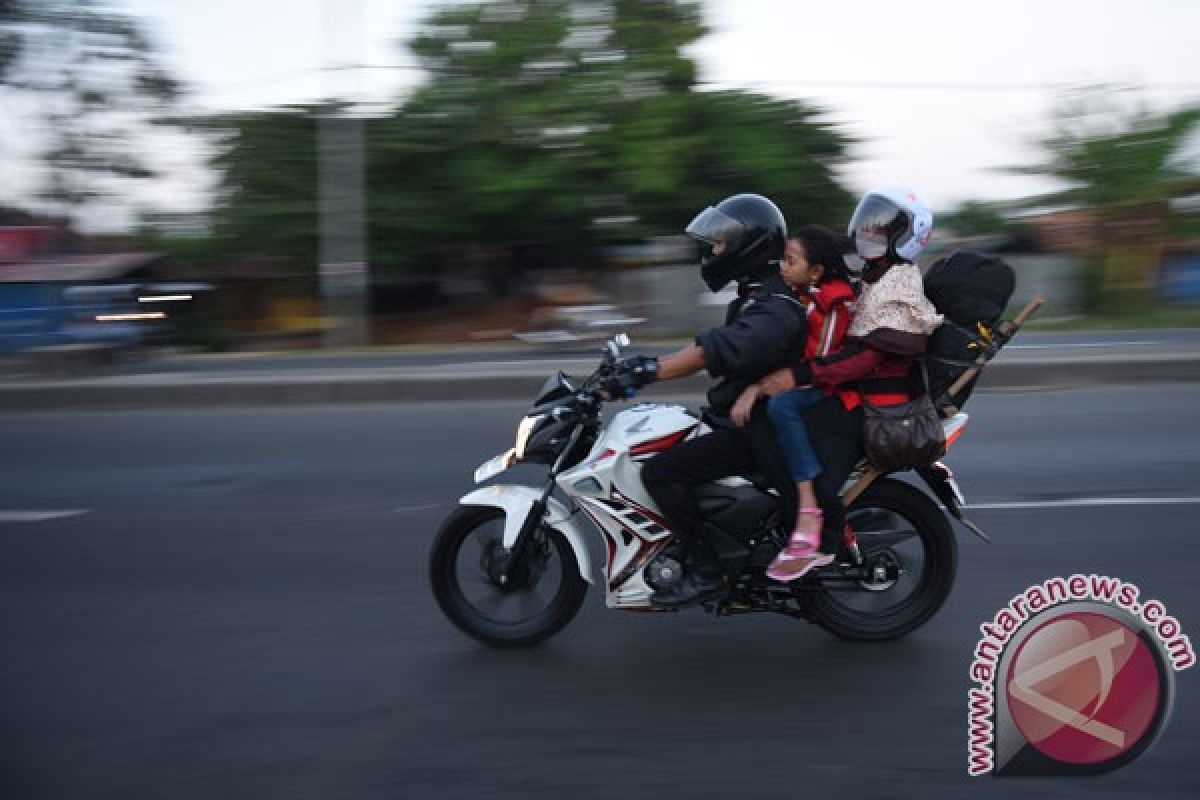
662,572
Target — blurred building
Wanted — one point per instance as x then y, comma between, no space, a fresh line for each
1072,231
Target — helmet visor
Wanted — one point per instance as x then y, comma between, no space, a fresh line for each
873,222
714,227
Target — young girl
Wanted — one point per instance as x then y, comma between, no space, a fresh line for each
813,266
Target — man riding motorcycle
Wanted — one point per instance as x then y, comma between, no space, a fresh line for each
743,239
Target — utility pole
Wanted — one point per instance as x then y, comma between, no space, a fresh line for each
344,272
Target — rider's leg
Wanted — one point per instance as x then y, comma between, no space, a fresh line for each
836,436
669,478
787,419
806,498
802,552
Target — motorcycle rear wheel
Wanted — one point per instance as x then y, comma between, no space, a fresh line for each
464,566
912,531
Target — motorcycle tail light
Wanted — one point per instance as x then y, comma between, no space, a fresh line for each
954,428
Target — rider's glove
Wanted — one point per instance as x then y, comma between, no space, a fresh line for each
632,374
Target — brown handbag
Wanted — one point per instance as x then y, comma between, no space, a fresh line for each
905,435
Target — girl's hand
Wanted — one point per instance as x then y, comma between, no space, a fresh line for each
740,413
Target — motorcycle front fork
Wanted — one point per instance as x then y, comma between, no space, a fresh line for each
538,509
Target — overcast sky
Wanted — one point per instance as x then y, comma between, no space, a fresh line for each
870,62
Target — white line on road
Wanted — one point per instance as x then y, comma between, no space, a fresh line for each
1087,502
39,516
1077,344
406,509
1075,502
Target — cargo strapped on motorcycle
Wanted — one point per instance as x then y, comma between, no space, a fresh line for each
971,291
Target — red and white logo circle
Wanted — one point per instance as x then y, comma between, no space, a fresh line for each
1084,688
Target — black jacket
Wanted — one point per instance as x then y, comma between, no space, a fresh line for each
765,330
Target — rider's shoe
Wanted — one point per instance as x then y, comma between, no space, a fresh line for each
802,554
697,586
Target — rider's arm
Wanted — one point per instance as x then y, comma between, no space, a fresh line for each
754,343
858,358
681,363
851,361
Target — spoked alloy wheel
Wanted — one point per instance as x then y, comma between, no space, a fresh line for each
911,555
539,595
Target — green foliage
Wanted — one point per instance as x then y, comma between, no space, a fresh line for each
1126,167
1115,161
268,166
974,218
566,124
779,148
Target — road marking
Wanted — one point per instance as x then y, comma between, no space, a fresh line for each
1077,344
407,509
1087,502
39,516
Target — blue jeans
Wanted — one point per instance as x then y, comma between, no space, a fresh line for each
787,418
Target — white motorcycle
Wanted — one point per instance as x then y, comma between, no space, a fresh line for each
511,565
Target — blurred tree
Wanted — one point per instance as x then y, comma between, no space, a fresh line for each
267,161
97,86
783,149
975,217
545,130
12,17
1126,168
572,124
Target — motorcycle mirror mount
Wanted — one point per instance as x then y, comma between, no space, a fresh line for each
615,344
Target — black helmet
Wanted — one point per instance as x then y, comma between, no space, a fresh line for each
742,234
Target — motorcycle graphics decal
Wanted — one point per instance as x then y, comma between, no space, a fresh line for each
635,525
658,445
658,525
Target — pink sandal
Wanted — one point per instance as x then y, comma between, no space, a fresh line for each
802,554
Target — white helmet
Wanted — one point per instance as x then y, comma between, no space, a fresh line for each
893,222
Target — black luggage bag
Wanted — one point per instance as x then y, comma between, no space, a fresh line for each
972,291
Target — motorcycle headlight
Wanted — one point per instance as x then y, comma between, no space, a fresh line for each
524,430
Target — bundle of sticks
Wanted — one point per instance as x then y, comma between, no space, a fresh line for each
1004,332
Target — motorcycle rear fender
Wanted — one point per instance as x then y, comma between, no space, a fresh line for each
940,480
516,501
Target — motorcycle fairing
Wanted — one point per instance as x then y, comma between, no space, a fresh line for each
516,501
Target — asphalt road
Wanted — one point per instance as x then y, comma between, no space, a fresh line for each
241,610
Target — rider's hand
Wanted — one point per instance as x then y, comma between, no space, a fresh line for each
630,375
740,413
778,382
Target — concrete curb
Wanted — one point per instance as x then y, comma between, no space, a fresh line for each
408,386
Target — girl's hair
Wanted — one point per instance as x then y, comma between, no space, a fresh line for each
823,246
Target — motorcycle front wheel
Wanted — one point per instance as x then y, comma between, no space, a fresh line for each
903,532
539,595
